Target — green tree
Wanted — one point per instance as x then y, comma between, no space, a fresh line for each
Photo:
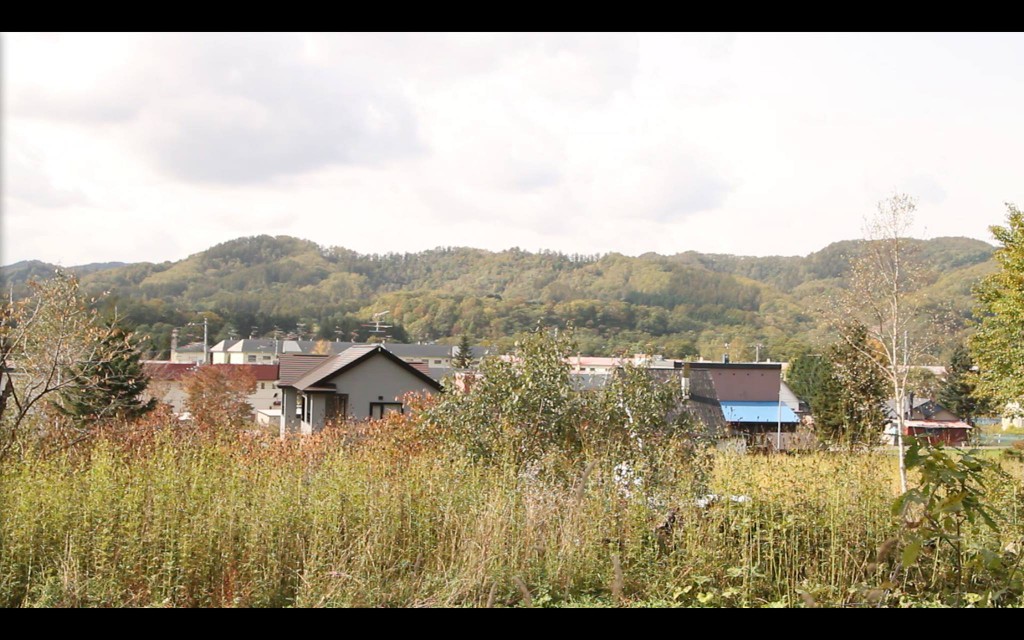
944,515
525,406
862,387
998,343
812,378
108,386
464,357
844,387
958,391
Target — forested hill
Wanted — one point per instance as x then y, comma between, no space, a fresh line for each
679,305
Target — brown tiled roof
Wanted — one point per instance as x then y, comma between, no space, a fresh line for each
295,365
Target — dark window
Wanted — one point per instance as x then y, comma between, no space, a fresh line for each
337,407
381,409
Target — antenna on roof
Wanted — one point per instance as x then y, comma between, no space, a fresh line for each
378,325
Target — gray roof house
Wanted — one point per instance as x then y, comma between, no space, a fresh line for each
362,382
436,357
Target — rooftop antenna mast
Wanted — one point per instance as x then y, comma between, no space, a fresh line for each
378,325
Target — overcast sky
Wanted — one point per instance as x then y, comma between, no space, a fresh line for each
153,147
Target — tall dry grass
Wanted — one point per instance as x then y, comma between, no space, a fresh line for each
256,522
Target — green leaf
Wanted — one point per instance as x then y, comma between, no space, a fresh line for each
911,553
952,503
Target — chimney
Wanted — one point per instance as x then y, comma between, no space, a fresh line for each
174,344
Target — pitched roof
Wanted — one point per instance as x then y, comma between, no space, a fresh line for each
329,366
269,345
937,424
295,365
703,404
332,365
422,367
926,406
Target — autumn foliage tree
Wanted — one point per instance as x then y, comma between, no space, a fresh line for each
216,396
46,340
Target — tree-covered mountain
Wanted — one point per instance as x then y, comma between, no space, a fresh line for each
680,305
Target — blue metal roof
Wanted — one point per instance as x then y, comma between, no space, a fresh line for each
760,412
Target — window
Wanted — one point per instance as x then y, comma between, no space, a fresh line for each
381,409
252,358
437,362
268,358
337,407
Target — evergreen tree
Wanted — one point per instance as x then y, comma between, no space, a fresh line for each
813,380
109,384
958,392
844,389
998,344
862,385
464,358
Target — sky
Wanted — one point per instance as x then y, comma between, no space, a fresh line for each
152,147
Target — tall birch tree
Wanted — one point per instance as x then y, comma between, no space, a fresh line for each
884,276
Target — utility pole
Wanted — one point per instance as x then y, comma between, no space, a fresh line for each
206,342
778,438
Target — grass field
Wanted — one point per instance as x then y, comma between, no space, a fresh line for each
257,522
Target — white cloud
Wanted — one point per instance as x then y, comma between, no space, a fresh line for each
151,147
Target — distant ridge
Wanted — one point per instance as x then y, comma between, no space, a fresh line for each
685,304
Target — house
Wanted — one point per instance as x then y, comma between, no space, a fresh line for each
751,396
188,354
744,400
252,351
364,381
437,358
928,420
739,400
